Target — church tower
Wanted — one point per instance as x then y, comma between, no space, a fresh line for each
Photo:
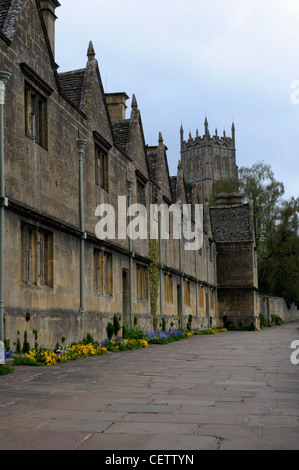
208,158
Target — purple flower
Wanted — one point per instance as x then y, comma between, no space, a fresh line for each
8,353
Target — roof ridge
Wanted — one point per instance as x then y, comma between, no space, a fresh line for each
72,71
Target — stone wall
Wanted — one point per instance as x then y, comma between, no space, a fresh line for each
42,220
270,305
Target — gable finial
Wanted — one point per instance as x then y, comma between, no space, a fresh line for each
134,101
160,138
91,53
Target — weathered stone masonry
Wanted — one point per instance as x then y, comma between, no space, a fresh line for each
45,113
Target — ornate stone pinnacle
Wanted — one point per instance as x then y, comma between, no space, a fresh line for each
91,53
134,102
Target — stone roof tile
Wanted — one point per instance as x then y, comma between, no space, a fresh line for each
121,133
4,9
72,84
152,165
231,223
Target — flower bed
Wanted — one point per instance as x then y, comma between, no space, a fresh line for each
121,344
49,358
209,331
45,357
162,337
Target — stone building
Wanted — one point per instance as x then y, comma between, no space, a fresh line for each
237,281
46,114
208,158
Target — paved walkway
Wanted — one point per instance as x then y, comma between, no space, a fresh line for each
235,390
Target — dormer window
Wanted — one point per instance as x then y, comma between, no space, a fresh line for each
141,199
35,116
102,148
141,191
101,156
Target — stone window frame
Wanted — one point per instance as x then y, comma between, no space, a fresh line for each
36,122
168,286
212,299
187,292
103,272
35,87
36,256
141,183
142,282
101,157
102,148
201,297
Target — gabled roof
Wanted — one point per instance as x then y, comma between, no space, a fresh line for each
4,9
121,131
152,163
72,85
158,168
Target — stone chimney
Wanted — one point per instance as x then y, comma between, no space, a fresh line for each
225,199
48,8
117,105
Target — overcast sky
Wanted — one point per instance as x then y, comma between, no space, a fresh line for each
184,60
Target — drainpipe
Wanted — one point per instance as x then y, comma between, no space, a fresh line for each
129,191
182,277
208,282
4,77
81,144
196,284
161,266
216,284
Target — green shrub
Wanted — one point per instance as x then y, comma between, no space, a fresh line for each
88,340
26,345
277,320
18,346
136,332
125,332
110,330
26,361
263,321
116,325
5,369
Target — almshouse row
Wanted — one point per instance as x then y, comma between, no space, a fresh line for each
45,114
